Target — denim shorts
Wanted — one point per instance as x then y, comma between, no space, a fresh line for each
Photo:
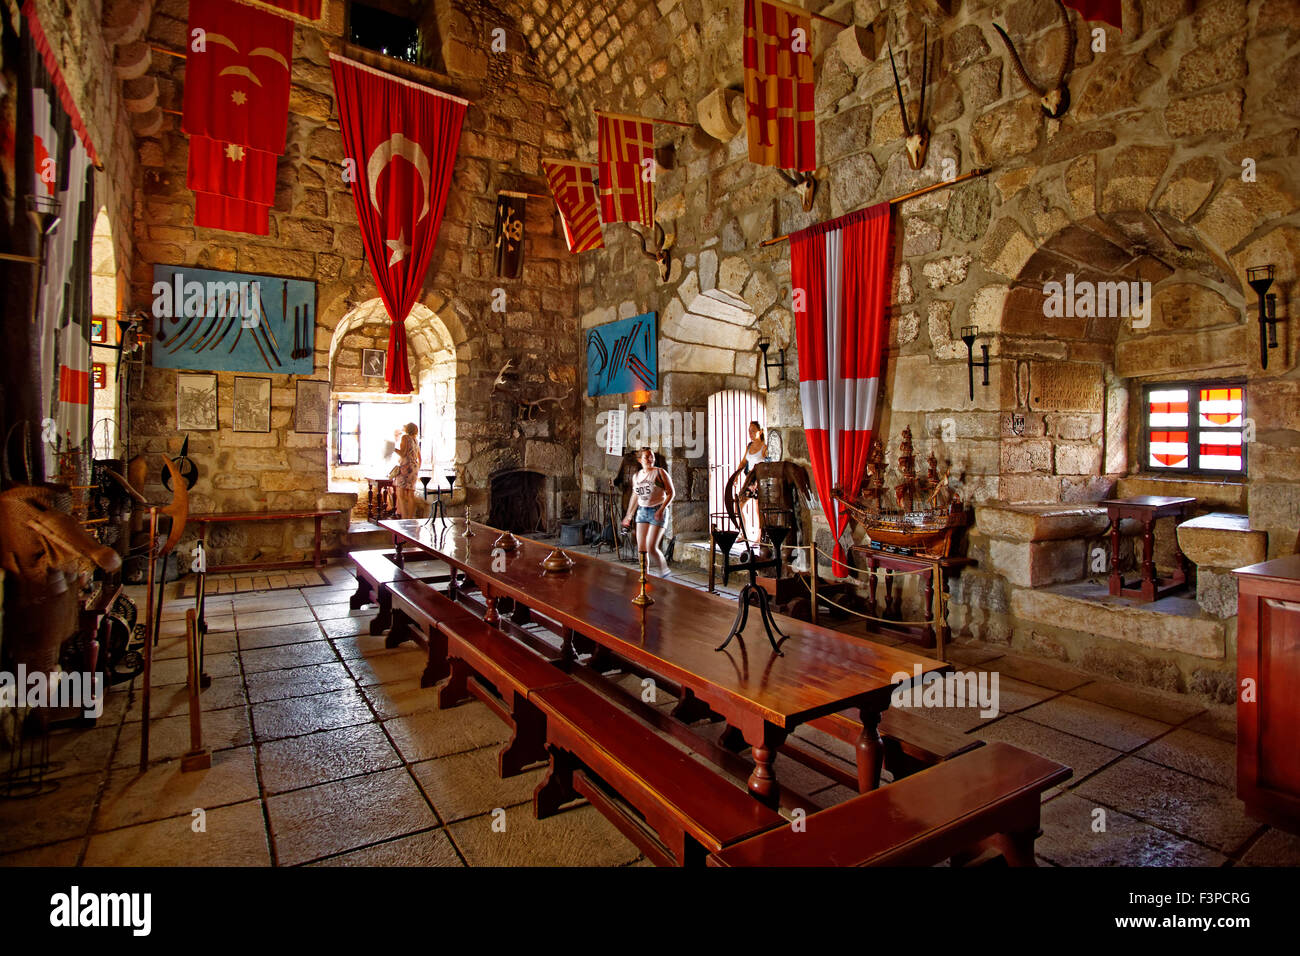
647,516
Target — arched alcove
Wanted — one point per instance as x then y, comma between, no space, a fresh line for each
431,355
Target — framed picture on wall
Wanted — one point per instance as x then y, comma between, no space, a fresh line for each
99,375
372,363
311,414
251,411
196,402
99,331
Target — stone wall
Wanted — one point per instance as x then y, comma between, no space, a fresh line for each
1141,180
514,118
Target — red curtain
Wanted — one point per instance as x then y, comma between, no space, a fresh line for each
840,274
402,138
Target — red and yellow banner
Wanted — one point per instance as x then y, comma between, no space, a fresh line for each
779,89
574,187
627,146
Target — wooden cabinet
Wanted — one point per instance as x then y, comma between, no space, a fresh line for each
1268,668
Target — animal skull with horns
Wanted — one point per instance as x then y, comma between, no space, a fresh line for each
917,139
660,252
1054,101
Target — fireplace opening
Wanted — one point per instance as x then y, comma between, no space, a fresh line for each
518,501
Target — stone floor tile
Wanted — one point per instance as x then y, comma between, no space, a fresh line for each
1197,754
297,682
165,791
465,785
327,595
60,814
401,698
346,814
577,837
169,738
346,626
295,716
1166,708
1275,848
1035,671
1195,808
330,612
248,620
63,853
1217,722
172,700
176,670
1117,729
285,656
76,750
295,762
278,636
233,836
971,654
1082,756
366,645
430,848
255,601
214,642
437,733
1070,838
389,668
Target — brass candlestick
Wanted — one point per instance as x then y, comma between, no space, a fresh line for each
468,533
642,598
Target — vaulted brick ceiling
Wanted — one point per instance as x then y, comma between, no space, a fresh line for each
649,55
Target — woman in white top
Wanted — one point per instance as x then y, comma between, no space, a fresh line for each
652,489
756,450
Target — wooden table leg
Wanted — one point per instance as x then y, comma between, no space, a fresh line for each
871,751
491,617
1148,559
929,602
1116,581
871,586
764,747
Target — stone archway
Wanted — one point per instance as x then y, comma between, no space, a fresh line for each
432,357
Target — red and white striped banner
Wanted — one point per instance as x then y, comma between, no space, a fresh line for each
840,273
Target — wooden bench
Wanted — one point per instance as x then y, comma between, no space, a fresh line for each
912,743
204,521
992,795
687,809
478,652
376,573
418,609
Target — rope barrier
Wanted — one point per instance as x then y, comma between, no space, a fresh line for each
853,567
866,617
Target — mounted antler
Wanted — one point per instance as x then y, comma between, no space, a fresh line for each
805,184
501,375
1055,101
659,253
918,139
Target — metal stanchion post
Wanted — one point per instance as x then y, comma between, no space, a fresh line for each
813,583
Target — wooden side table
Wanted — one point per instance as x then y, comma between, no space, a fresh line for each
386,506
934,575
1147,509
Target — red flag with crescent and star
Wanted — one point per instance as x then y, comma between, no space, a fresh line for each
236,111
401,138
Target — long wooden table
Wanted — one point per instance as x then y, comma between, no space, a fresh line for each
762,695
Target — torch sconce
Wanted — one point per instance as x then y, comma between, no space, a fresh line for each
1260,279
969,333
763,345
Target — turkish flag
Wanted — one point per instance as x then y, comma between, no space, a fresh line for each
402,138
231,214
237,75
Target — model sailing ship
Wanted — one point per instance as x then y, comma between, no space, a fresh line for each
925,514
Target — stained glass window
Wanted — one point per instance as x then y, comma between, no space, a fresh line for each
1195,427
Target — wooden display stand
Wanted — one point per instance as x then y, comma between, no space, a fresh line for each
1268,690
1147,509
